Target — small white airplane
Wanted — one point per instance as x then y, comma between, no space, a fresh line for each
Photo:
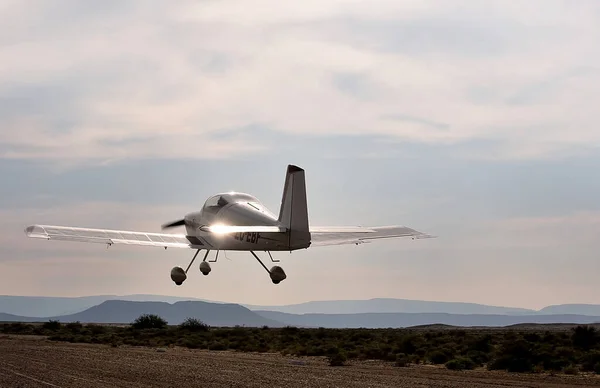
236,222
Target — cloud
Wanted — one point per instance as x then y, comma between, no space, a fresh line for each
130,80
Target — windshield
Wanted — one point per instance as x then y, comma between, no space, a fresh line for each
216,201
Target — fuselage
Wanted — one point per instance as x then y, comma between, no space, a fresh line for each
235,209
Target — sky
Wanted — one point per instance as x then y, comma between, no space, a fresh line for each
475,121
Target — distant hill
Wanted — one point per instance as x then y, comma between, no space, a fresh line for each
388,305
225,314
45,306
585,309
118,311
15,318
385,320
39,306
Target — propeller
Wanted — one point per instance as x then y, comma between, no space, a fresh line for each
173,224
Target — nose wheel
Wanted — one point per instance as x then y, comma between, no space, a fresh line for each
178,275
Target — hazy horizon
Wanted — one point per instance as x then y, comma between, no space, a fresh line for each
194,298
471,120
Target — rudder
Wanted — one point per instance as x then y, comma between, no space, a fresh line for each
293,213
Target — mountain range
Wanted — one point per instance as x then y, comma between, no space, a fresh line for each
120,311
372,313
44,306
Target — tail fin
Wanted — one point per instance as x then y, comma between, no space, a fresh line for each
293,213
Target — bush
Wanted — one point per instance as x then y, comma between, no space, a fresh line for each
478,357
571,370
74,327
461,363
52,325
336,357
193,324
218,346
584,337
96,329
401,360
149,321
16,328
589,361
511,364
438,357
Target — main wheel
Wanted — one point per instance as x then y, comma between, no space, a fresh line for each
277,274
178,275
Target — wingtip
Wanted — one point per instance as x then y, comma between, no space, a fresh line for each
36,231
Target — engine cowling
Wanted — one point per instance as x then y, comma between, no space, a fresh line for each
277,274
178,275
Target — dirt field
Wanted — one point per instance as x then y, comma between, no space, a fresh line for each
36,362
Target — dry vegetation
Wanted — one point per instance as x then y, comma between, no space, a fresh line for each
570,350
34,361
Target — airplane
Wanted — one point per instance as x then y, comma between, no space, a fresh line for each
237,222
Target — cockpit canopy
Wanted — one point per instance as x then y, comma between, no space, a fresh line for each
221,200
214,204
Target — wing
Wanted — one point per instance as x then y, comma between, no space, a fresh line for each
107,236
323,236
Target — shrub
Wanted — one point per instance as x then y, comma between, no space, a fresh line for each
511,364
589,360
571,370
149,321
218,346
193,324
401,360
438,357
96,329
478,357
337,359
460,363
75,327
52,325
584,337
16,327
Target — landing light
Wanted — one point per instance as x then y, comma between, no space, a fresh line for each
219,229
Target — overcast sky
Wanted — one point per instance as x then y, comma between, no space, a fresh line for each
473,120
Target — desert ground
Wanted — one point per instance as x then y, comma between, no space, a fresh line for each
29,361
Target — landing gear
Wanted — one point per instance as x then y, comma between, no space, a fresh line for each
276,273
204,266
178,275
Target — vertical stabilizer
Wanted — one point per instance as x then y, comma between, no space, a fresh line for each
293,213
